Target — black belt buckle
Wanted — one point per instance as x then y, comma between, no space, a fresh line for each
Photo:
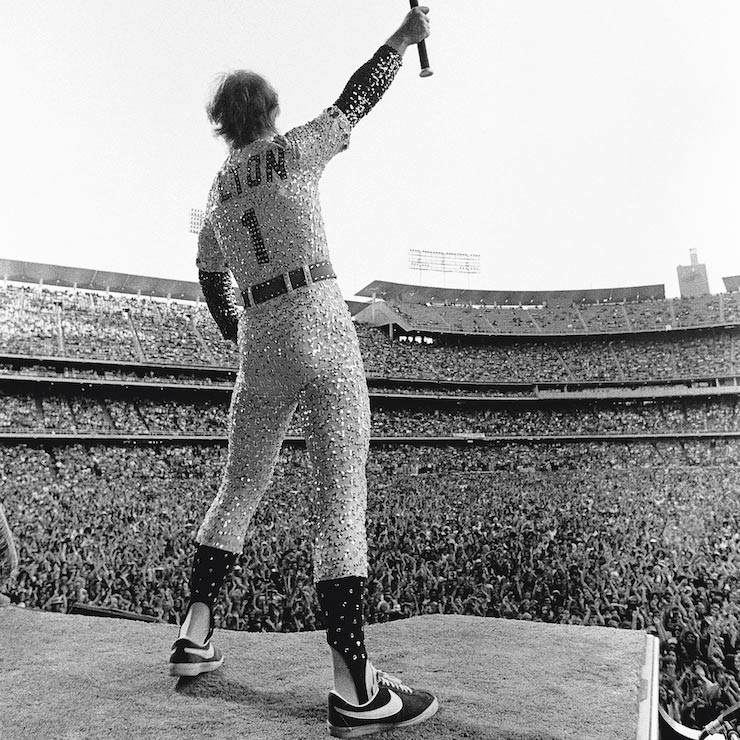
297,278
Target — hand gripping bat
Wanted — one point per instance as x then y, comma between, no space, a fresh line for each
426,70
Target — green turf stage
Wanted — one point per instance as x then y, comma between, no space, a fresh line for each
66,677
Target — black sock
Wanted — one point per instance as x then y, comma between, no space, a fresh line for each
341,604
211,567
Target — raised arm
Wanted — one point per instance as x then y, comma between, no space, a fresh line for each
368,84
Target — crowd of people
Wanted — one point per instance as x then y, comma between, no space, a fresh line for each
83,324
690,415
575,318
636,533
631,535
619,359
87,324
81,412
144,375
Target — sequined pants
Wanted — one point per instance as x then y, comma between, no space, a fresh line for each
299,349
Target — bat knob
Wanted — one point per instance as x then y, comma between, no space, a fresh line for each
426,72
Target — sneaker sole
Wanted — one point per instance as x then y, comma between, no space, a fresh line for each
194,669
334,731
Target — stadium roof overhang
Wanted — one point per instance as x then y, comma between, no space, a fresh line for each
89,279
403,293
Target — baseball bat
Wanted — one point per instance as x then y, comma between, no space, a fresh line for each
426,70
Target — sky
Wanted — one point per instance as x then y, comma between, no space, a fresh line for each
577,144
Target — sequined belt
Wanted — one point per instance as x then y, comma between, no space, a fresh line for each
272,288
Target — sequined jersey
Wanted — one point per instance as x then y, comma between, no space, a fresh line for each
298,350
263,215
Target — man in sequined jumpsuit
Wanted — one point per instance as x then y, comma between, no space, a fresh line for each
298,349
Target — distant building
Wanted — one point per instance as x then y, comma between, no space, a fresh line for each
732,283
692,279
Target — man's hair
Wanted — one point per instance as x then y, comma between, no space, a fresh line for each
243,108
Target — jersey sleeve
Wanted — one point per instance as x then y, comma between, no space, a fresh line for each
210,255
316,142
219,294
369,83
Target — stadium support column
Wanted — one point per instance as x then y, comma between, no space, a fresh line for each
627,317
614,356
137,343
672,307
201,342
565,365
60,333
580,317
106,415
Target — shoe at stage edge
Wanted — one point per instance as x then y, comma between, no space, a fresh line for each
395,705
190,659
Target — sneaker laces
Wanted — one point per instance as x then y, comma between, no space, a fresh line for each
385,679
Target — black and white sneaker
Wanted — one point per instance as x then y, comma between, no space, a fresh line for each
394,705
190,659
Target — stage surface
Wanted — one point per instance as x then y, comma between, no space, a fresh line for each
65,677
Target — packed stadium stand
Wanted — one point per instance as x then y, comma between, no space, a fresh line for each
566,457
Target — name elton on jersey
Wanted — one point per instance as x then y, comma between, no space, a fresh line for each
261,166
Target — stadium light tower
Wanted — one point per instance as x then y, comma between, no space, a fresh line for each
196,220
444,262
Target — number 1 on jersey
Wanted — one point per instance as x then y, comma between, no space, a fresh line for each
249,219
